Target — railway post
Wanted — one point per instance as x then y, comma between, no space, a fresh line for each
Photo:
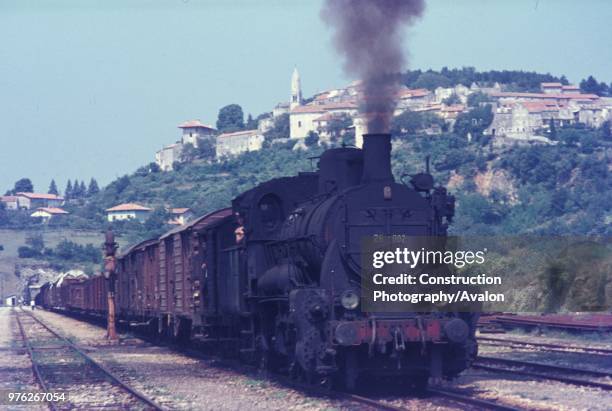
110,248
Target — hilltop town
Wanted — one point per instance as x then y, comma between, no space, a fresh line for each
518,117
469,121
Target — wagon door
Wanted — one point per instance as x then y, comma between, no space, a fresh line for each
179,273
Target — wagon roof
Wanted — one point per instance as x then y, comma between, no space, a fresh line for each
204,221
142,244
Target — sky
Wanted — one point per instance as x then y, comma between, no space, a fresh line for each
94,88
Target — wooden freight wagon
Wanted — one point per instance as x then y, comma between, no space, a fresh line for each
138,268
181,276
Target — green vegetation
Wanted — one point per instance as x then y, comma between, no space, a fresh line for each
558,189
23,185
230,118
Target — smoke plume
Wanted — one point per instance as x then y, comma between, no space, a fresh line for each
369,34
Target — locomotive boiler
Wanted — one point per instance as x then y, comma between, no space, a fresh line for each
275,279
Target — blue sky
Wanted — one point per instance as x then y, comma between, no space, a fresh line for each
94,88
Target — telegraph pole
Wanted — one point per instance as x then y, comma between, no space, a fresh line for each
110,264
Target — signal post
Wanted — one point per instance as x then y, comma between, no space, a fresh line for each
110,264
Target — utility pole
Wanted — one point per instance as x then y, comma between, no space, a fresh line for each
110,264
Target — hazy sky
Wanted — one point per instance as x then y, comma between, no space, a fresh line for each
94,88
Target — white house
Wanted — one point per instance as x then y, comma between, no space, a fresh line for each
194,130
128,211
229,144
47,213
304,119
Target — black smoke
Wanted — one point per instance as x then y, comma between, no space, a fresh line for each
369,34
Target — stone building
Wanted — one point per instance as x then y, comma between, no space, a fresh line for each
231,144
166,157
194,130
304,119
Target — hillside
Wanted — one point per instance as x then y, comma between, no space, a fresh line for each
560,189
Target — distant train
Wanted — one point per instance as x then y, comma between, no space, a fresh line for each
275,279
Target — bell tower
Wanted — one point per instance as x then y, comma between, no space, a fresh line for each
296,90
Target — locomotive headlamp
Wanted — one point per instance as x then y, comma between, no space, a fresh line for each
349,300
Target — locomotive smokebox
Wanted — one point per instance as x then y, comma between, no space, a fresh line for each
377,158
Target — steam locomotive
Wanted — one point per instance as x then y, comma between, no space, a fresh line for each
275,279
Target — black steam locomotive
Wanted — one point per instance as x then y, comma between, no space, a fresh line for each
276,278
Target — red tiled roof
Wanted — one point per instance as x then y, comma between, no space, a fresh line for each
8,199
40,196
53,210
570,87
194,124
551,85
569,96
412,93
325,117
179,210
238,133
129,207
540,106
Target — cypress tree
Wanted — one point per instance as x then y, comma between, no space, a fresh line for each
53,188
93,187
68,191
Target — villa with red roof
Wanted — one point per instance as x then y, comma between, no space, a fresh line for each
28,201
128,211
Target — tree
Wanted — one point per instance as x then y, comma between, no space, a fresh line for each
452,99
188,153
206,149
251,123
53,188
76,190
311,139
93,188
36,242
591,85
230,118
552,130
475,99
281,128
23,185
474,122
606,132
68,190
431,81
338,126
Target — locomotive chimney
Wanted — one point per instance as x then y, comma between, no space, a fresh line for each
377,158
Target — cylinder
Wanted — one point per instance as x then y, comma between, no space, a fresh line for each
377,158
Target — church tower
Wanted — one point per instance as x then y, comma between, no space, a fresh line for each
296,90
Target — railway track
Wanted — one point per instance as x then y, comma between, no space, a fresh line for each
434,394
542,346
60,366
544,371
